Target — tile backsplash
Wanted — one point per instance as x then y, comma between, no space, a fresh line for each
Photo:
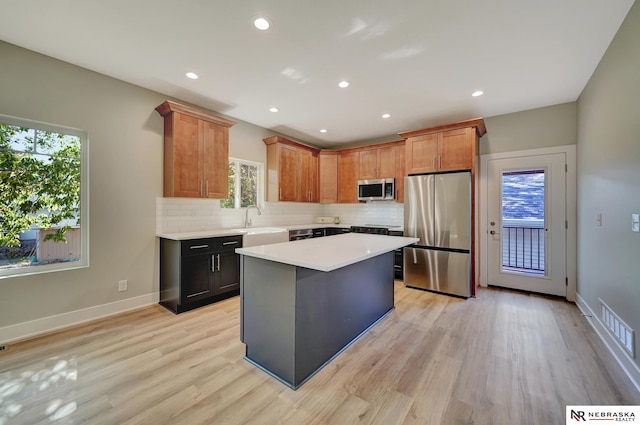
190,215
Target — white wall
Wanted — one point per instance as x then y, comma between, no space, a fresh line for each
609,179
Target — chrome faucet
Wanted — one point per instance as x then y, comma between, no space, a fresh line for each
247,220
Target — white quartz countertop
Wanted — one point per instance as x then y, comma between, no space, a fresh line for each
184,236
329,253
214,233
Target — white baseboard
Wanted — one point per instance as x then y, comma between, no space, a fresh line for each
65,320
629,367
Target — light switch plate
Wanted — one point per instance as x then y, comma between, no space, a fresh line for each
599,219
635,222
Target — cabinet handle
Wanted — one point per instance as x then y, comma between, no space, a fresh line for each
198,246
230,243
439,165
207,191
200,187
218,262
213,262
280,198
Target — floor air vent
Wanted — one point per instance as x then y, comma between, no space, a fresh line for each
618,329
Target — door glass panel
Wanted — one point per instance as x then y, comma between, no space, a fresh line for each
523,222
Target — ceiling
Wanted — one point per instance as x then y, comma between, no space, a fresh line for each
418,61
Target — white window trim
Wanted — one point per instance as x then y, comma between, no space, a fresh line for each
261,180
84,199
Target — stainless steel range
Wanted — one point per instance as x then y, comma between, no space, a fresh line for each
371,229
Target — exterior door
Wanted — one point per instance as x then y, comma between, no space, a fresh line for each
526,214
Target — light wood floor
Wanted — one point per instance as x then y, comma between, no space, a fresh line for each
502,358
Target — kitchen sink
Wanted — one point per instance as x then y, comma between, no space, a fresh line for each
253,236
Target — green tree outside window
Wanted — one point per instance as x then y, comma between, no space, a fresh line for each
243,185
39,182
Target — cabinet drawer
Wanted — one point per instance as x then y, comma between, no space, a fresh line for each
227,242
198,246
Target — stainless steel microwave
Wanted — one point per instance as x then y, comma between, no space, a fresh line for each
377,190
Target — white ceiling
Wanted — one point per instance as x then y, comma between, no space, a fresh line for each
418,60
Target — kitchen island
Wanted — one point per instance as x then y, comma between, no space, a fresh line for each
304,302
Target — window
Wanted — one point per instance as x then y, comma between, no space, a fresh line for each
43,197
245,184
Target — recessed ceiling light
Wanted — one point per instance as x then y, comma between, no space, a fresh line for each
274,109
192,75
324,130
261,23
477,93
343,84
386,116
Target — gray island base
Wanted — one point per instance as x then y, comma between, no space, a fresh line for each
294,320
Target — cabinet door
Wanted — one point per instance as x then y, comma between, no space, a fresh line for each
368,164
287,173
386,168
328,178
400,173
314,179
421,153
186,166
227,275
456,149
195,273
348,177
304,182
215,161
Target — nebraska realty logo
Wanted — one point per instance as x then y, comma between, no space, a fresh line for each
602,414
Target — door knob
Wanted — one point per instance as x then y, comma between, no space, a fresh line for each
493,232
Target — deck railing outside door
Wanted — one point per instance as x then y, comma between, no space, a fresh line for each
523,243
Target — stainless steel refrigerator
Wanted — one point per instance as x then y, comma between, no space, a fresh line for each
437,209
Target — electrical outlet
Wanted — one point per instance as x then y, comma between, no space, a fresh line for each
635,222
123,285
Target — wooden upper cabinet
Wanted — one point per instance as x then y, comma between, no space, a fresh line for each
216,165
314,178
422,154
386,163
457,149
288,173
368,164
307,176
400,173
449,147
196,152
378,163
292,171
348,164
328,164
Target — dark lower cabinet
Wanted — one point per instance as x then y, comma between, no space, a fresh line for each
398,272
227,274
197,272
